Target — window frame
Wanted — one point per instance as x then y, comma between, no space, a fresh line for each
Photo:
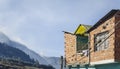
99,45
79,45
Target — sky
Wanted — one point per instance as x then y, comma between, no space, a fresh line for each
38,24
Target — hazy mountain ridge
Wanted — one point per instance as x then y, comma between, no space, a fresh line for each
54,61
14,53
32,54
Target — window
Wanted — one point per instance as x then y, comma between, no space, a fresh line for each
101,42
82,43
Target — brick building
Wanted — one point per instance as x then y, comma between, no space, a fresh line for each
75,43
102,46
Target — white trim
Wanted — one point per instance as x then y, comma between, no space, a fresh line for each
102,62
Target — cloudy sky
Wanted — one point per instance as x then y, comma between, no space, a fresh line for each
39,23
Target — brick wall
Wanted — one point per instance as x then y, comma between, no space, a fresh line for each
72,57
82,59
117,37
70,47
108,53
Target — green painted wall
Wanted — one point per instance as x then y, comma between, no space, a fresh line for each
103,66
86,67
82,68
108,66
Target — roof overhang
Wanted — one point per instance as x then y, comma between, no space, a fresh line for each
106,17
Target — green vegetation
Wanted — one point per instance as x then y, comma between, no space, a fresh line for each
13,58
8,63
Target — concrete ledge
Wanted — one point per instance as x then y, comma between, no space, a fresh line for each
103,62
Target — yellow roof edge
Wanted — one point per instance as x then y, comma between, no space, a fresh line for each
77,29
86,26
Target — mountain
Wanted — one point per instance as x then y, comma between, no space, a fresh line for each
31,53
54,61
4,39
14,53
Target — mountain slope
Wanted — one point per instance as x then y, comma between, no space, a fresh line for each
14,53
31,53
4,39
54,61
